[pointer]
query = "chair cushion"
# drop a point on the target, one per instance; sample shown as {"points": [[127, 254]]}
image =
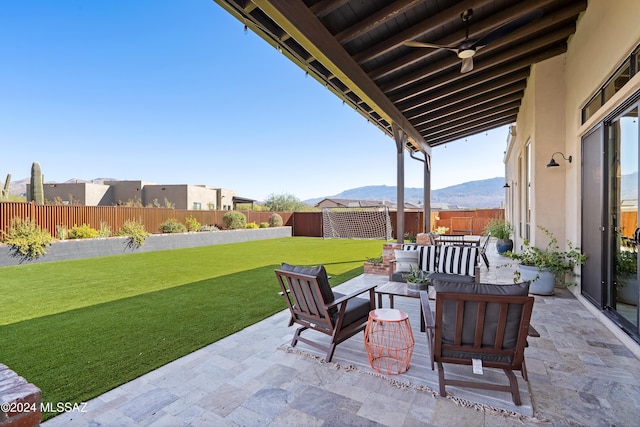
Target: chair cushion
{"points": [[444, 277], [458, 260], [429, 258], [357, 310], [406, 260], [321, 275], [492, 312]]}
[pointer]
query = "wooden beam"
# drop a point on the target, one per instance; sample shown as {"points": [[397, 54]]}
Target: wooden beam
{"points": [[462, 102], [465, 94], [485, 102], [441, 81], [419, 54], [452, 121], [461, 125], [380, 17], [472, 131], [504, 72], [425, 27], [504, 56], [325, 7]]}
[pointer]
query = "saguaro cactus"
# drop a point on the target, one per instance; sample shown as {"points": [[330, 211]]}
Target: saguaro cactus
{"points": [[4, 194], [36, 189]]}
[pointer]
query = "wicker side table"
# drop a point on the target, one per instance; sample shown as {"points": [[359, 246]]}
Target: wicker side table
{"points": [[388, 341]]}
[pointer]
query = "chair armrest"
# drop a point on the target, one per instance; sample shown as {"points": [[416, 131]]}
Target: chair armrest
{"points": [[426, 310], [340, 300], [392, 267]]}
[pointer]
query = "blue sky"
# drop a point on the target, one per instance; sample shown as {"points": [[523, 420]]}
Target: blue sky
{"points": [[175, 92]]}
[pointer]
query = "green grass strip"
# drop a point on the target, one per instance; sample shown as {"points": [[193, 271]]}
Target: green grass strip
{"points": [[77, 329]]}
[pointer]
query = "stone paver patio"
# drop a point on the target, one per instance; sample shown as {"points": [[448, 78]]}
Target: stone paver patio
{"points": [[580, 373]]}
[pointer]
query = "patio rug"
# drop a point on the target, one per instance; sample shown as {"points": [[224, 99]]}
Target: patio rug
{"points": [[352, 357]]}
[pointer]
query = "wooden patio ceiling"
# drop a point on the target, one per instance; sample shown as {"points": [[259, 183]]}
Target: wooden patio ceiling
{"points": [[356, 48]]}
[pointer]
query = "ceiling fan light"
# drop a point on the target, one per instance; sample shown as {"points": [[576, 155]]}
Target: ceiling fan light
{"points": [[466, 53]]}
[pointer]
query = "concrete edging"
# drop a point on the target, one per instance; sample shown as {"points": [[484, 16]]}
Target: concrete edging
{"points": [[89, 248]]}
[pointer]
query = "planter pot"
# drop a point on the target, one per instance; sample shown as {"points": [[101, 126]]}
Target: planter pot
{"points": [[504, 245], [417, 286], [542, 282], [627, 292]]}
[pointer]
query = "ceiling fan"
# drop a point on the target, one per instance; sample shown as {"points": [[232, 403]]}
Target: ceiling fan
{"points": [[468, 48]]}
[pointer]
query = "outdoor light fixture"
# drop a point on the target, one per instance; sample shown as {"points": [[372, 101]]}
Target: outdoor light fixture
{"points": [[506, 185], [552, 163]]}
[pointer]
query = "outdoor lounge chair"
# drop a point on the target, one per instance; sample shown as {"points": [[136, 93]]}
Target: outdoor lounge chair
{"points": [[477, 321], [314, 305]]}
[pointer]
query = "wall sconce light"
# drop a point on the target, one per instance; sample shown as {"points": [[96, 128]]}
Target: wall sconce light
{"points": [[506, 185], [552, 163]]}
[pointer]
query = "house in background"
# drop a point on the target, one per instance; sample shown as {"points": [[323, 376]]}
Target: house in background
{"points": [[109, 193], [358, 203]]}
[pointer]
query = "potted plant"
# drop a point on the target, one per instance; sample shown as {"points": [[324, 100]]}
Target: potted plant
{"points": [[549, 266], [415, 280], [627, 275], [501, 230]]}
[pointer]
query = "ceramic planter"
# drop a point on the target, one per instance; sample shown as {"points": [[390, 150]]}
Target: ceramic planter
{"points": [[542, 281], [504, 245]]}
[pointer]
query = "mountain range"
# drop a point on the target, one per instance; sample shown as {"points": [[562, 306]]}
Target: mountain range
{"points": [[485, 193]]}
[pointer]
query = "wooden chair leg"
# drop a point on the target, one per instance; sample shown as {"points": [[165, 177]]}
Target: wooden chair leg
{"points": [[513, 383], [332, 348], [294, 341], [443, 392]]}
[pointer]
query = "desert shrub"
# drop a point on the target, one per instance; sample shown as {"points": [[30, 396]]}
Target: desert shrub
{"points": [[62, 232], [234, 220], [275, 220], [26, 239], [83, 231], [135, 231], [105, 230], [172, 226], [264, 225], [252, 225], [192, 223], [207, 227]]}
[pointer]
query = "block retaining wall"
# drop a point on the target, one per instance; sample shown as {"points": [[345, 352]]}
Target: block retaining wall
{"points": [[88, 248]]}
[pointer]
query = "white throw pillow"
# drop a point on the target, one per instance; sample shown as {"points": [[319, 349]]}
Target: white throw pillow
{"points": [[406, 259]]}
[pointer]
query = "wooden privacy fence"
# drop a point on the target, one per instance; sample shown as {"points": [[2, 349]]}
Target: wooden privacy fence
{"points": [[49, 217], [308, 224]]}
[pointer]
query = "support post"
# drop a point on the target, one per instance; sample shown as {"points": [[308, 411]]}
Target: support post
{"points": [[426, 192], [401, 139]]}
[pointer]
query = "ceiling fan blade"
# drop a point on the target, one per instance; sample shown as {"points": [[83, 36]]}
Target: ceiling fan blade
{"points": [[467, 65], [420, 44], [509, 27]]}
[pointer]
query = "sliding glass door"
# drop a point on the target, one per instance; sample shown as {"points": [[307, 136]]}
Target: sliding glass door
{"points": [[622, 284]]}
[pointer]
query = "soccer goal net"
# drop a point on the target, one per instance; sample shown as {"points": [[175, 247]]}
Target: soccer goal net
{"points": [[356, 223]]}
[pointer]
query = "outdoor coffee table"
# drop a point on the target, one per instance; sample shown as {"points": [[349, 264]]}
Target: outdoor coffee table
{"points": [[388, 340], [399, 289]]}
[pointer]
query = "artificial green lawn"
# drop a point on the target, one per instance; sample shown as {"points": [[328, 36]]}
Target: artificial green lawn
{"points": [[79, 328]]}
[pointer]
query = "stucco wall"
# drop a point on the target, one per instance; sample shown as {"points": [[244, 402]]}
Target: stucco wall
{"points": [[550, 113], [88, 194], [605, 35]]}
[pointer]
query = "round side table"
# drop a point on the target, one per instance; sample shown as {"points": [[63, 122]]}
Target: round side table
{"points": [[388, 341]]}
